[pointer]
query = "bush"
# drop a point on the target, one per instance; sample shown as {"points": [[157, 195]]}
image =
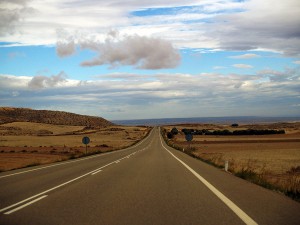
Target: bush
{"points": [[103, 146], [170, 135], [187, 131], [174, 131], [44, 132], [250, 175]]}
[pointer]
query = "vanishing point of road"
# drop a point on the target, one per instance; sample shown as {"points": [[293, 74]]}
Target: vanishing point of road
{"points": [[149, 183]]}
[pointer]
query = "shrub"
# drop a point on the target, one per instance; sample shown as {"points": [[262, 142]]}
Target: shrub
{"points": [[174, 131], [187, 131], [170, 135], [44, 132], [294, 170], [104, 146], [33, 164], [250, 175], [246, 174]]}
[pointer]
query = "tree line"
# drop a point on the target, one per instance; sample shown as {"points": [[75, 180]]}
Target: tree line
{"points": [[235, 132], [186, 131]]}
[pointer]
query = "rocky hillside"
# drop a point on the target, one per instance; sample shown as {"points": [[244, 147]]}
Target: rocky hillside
{"points": [[8, 115]]}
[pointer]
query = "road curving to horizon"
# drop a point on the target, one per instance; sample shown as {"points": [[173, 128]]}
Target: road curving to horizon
{"points": [[149, 183]]}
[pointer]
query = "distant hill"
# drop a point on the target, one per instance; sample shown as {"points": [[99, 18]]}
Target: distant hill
{"points": [[8, 114]]}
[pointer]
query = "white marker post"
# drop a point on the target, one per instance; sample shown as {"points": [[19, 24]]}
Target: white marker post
{"points": [[226, 165]]}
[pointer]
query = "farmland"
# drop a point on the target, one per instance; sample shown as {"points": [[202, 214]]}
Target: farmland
{"points": [[25, 144], [275, 159]]}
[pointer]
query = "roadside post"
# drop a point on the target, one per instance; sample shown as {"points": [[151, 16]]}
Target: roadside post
{"points": [[86, 140], [189, 138], [226, 165]]}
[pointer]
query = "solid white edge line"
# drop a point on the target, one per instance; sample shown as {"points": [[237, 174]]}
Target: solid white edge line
{"points": [[25, 205], [240, 213], [77, 160]]}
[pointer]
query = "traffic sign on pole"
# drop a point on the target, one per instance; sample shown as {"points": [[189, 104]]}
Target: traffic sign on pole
{"points": [[85, 140], [189, 138]]}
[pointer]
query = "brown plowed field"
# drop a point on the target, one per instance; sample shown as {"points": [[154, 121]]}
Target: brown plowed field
{"points": [[25, 144]]}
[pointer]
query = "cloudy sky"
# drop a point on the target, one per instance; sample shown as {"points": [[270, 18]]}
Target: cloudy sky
{"points": [[136, 59]]}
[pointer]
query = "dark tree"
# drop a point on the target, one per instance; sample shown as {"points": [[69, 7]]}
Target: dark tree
{"points": [[174, 131], [170, 135]]}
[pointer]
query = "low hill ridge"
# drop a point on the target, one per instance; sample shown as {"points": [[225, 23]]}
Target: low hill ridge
{"points": [[9, 114]]}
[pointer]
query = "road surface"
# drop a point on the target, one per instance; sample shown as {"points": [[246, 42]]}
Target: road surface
{"points": [[149, 183]]}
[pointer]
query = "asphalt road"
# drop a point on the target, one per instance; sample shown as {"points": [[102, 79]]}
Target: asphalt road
{"points": [[149, 183]]}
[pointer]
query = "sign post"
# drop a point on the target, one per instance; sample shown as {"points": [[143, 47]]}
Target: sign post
{"points": [[189, 138], [85, 140]]}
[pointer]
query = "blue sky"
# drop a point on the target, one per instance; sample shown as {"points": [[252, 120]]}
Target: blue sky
{"points": [[141, 59]]}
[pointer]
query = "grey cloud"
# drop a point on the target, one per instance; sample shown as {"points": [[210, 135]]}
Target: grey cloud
{"points": [[65, 45], [39, 82], [122, 76], [138, 51], [18, 2], [203, 94], [11, 16], [260, 27], [8, 18], [289, 74], [64, 49]]}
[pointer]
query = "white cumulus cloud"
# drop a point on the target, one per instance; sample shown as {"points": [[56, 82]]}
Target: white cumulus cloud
{"points": [[245, 56], [139, 51], [242, 66], [40, 81]]}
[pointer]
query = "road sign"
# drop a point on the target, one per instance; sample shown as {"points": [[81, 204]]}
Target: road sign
{"points": [[85, 140], [189, 137]]}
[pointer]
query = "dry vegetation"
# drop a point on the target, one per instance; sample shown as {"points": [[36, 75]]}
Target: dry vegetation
{"points": [[272, 161], [25, 144]]}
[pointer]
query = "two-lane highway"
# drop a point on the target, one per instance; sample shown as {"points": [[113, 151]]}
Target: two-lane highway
{"points": [[148, 183]]}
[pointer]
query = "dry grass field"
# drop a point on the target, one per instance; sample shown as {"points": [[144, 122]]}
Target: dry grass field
{"points": [[25, 144], [273, 158]]}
